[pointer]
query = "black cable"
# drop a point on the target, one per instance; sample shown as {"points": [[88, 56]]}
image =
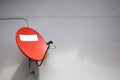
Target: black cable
{"points": [[10, 18]]}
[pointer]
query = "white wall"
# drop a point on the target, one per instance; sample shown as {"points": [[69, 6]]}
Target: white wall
{"points": [[86, 33]]}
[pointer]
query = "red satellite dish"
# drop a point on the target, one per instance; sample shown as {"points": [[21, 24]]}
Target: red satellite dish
{"points": [[31, 43]]}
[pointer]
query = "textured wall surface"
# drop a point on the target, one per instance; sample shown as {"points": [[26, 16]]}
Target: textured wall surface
{"points": [[86, 33]]}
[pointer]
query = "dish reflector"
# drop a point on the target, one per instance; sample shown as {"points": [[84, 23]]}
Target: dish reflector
{"points": [[31, 43]]}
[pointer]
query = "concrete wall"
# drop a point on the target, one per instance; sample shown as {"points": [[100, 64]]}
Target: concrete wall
{"points": [[86, 33]]}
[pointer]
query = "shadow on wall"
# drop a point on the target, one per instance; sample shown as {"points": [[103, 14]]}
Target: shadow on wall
{"points": [[22, 73]]}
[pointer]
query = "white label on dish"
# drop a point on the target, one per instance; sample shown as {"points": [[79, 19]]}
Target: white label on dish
{"points": [[28, 37]]}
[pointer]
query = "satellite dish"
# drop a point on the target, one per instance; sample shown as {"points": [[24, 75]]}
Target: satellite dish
{"points": [[31, 43]]}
